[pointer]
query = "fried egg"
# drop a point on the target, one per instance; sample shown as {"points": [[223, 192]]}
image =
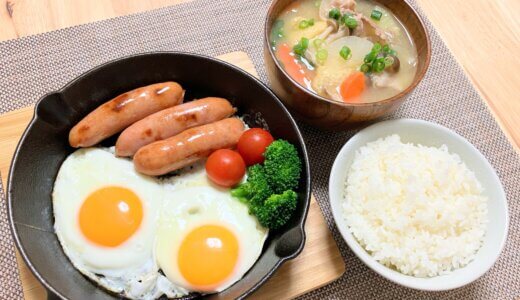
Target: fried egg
{"points": [[143, 237], [206, 239], [105, 218]]}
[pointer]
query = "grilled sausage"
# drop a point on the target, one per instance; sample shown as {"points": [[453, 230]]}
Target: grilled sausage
{"points": [[125, 109], [168, 155], [171, 121]]}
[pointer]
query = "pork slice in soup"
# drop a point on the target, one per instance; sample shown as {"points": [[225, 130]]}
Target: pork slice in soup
{"points": [[345, 50]]}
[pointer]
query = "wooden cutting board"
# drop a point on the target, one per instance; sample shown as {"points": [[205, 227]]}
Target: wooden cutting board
{"points": [[319, 263]]}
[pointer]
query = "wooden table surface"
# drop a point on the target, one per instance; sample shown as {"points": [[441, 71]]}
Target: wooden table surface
{"points": [[483, 35]]}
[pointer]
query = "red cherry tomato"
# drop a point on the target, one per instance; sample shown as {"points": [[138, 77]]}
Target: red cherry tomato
{"points": [[252, 144], [225, 167]]}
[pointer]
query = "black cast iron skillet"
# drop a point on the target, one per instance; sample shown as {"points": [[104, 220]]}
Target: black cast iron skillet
{"points": [[44, 146]]}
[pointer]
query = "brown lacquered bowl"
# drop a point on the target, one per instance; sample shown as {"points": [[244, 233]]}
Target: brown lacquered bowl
{"points": [[330, 114]]}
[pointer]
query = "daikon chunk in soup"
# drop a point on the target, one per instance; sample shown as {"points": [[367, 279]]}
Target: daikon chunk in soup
{"points": [[345, 50]]}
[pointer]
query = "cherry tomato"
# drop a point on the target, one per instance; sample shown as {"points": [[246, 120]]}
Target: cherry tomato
{"points": [[252, 144], [225, 167]]}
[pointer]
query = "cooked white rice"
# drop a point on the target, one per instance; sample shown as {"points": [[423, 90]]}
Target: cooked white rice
{"points": [[416, 209]]}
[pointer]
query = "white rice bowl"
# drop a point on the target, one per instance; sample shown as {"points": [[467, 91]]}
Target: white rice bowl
{"points": [[430, 135], [417, 209]]}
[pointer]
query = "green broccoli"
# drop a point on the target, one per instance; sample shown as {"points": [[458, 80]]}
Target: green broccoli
{"points": [[256, 189], [277, 209], [282, 166], [268, 190]]}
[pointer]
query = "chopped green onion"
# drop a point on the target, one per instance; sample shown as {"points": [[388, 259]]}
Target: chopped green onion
{"points": [[376, 15], [377, 48], [334, 14], [345, 52], [298, 49], [350, 22], [370, 57], [388, 51], [317, 43], [305, 42], [389, 60], [301, 47], [277, 31], [378, 65], [322, 55], [365, 68], [379, 58], [345, 16], [306, 23], [278, 27]]}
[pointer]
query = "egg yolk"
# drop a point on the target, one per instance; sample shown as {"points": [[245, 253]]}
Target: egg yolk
{"points": [[207, 256], [110, 215]]}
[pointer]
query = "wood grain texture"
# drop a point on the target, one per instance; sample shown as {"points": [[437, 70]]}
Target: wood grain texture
{"points": [[483, 35], [319, 264], [28, 17]]}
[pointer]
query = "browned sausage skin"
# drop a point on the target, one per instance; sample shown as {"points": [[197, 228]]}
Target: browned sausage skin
{"points": [[168, 155], [122, 111], [171, 121]]}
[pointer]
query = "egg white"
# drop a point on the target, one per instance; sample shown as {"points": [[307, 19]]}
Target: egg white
{"points": [[129, 268], [193, 201]]}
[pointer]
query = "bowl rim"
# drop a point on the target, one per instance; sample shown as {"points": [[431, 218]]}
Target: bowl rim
{"points": [[409, 89], [366, 258], [307, 191]]}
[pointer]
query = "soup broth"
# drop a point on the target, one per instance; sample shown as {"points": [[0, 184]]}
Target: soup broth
{"points": [[345, 50]]}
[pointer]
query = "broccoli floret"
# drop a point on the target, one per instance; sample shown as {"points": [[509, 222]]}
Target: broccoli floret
{"points": [[268, 190], [282, 166], [256, 189], [277, 209]]}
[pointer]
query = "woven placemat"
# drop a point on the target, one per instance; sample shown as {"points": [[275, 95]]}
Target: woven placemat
{"points": [[33, 66], [10, 287]]}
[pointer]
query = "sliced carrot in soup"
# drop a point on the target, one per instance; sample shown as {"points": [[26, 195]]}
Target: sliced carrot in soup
{"points": [[291, 66], [352, 86]]}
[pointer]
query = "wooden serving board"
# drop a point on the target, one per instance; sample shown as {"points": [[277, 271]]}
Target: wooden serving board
{"points": [[319, 263]]}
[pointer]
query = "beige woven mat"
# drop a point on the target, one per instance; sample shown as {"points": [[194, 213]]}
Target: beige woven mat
{"points": [[33, 66]]}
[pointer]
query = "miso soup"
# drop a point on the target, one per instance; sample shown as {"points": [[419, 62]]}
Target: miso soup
{"points": [[345, 50]]}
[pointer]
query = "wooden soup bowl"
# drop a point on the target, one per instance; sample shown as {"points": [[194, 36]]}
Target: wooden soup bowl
{"points": [[334, 115]]}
